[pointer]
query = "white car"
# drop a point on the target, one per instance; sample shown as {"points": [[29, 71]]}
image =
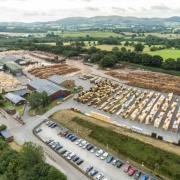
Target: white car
{"points": [[106, 178], [85, 145], [82, 143], [78, 141], [99, 153], [100, 176], [70, 155], [104, 156]]}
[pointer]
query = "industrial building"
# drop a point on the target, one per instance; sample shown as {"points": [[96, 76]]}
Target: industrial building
{"points": [[13, 68], [53, 90]]}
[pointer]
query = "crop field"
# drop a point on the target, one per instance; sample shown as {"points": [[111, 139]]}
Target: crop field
{"points": [[84, 34], [167, 53]]}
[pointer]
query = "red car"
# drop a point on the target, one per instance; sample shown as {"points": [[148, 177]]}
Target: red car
{"points": [[131, 171], [126, 167]]}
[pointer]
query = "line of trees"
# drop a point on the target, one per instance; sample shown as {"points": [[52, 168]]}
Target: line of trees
{"points": [[28, 164]]}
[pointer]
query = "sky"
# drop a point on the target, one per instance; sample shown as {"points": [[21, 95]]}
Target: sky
{"points": [[47, 10]]}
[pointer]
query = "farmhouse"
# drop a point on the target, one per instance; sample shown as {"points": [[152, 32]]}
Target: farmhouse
{"points": [[53, 90], [15, 99]]}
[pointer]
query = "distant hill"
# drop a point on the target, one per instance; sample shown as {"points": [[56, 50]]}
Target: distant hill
{"points": [[97, 21]]}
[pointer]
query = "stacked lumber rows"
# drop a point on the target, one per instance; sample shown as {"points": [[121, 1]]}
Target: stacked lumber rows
{"points": [[150, 80], [56, 69]]}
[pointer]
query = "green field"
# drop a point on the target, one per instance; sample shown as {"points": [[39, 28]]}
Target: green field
{"points": [[84, 34], [167, 53]]}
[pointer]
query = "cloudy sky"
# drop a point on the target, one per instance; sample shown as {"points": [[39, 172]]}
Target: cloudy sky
{"points": [[43, 10]]}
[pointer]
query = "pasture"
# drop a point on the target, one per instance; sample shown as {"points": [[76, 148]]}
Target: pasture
{"points": [[96, 34]]}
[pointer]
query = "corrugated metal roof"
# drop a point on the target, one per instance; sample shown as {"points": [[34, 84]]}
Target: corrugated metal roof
{"points": [[56, 79], [14, 98], [44, 85], [6, 134]]}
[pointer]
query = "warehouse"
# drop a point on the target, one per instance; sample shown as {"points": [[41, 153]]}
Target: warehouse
{"points": [[13, 68], [53, 90]]}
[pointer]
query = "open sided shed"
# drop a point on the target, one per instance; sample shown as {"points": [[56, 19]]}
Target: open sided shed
{"points": [[15, 99]]}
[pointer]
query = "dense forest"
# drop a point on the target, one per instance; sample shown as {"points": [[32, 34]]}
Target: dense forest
{"points": [[28, 164]]}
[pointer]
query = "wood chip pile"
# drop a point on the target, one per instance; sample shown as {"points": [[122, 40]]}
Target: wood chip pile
{"points": [[8, 82]]}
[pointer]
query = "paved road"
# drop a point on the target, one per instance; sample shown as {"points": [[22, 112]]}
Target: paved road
{"points": [[23, 133]]}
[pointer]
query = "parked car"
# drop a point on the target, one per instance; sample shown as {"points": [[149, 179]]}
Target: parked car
{"points": [[99, 152], [131, 171], [58, 147], [76, 158], [93, 150], [106, 178], [70, 155], [144, 177], [79, 162], [48, 122], [74, 138], [89, 147], [109, 159], [38, 130], [99, 176], [89, 169], [78, 141], [82, 143], [114, 162], [104, 156], [63, 151], [119, 163], [67, 154], [93, 172], [85, 145], [53, 125], [49, 141], [126, 167], [67, 135], [137, 174]]}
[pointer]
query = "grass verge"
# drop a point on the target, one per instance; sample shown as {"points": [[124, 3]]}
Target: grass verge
{"points": [[159, 161]]}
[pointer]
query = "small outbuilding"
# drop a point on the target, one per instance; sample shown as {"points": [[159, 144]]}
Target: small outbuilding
{"points": [[7, 135], [15, 99]]}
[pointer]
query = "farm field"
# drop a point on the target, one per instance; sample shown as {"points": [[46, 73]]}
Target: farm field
{"points": [[12, 34], [167, 53], [84, 34]]}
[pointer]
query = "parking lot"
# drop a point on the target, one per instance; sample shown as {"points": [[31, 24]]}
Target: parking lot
{"points": [[92, 160]]}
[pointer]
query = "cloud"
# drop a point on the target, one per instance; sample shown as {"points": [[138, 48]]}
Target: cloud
{"points": [[93, 9], [117, 9], [160, 8]]}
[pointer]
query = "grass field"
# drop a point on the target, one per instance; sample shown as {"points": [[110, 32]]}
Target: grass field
{"points": [[122, 142], [167, 53], [84, 34]]}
